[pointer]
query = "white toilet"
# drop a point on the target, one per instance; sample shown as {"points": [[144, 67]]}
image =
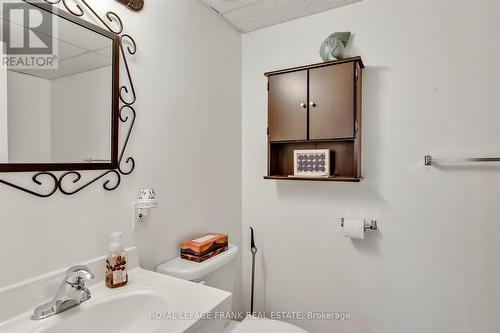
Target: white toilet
{"points": [[218, 272]]}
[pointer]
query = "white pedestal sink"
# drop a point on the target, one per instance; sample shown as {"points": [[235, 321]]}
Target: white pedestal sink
{"points": [[150, 302]]}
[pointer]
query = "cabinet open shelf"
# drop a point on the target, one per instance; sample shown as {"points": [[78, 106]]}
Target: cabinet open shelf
{"points": [[343, 159], [315, 141], [323, 179]]}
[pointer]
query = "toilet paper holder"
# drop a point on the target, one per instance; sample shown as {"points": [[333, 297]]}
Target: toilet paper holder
{"points": [[369, 225]]}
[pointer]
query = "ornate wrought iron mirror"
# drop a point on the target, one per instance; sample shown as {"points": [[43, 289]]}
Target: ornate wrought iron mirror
{"points": [[63, 107]]}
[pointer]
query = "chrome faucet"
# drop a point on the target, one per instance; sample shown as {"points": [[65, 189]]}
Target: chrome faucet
{"points": [[72, 292]]}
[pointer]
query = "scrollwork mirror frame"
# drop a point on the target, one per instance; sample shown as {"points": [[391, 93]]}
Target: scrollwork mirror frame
{"points": [[70, 181]]}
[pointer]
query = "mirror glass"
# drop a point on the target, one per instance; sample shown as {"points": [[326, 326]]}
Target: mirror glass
{"points": [[57, 111]]}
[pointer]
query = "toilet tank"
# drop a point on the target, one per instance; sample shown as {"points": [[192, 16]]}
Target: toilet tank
{"points": [[218, 272]]}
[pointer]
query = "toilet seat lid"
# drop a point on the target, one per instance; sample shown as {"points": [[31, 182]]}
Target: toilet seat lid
{"points": [[257, 325]]}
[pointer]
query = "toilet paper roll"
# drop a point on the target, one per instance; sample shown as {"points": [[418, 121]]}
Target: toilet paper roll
{"points": [[354, 228]]}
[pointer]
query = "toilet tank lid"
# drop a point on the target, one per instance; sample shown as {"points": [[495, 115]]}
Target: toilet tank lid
{"points": [[189, 270]]}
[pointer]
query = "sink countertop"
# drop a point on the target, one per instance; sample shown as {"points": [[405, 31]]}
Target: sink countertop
{"points": [[181, 304]]}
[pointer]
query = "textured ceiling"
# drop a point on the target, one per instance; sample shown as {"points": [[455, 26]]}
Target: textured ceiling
{"points": [[250, 15]]}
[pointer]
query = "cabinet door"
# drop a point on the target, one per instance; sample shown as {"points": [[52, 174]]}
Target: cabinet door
{"points": [[331, 100], [288, 106]]}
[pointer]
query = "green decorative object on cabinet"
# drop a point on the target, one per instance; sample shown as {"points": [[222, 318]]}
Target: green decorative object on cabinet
{"points": [[333, 47]]}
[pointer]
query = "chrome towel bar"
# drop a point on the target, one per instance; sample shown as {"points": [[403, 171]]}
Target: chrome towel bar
{"points": [[429, 160]]}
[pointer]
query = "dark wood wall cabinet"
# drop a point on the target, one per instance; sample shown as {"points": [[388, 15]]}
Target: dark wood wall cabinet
{"points": [[316, 107]]}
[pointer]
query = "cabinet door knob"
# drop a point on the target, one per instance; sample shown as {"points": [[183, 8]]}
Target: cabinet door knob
{"points": [[313, 104], [303, 105]]}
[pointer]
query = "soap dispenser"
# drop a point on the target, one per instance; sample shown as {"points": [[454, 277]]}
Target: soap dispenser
{"points": [[116, 263]]}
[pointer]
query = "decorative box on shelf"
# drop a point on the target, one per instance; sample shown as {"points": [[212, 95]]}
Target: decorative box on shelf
{"points": [[311, 163]]}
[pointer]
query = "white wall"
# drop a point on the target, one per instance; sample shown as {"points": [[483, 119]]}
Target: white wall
{"points": [[4, 114], [28, 105], [81, 129], [431, 85], [187, 143]]}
